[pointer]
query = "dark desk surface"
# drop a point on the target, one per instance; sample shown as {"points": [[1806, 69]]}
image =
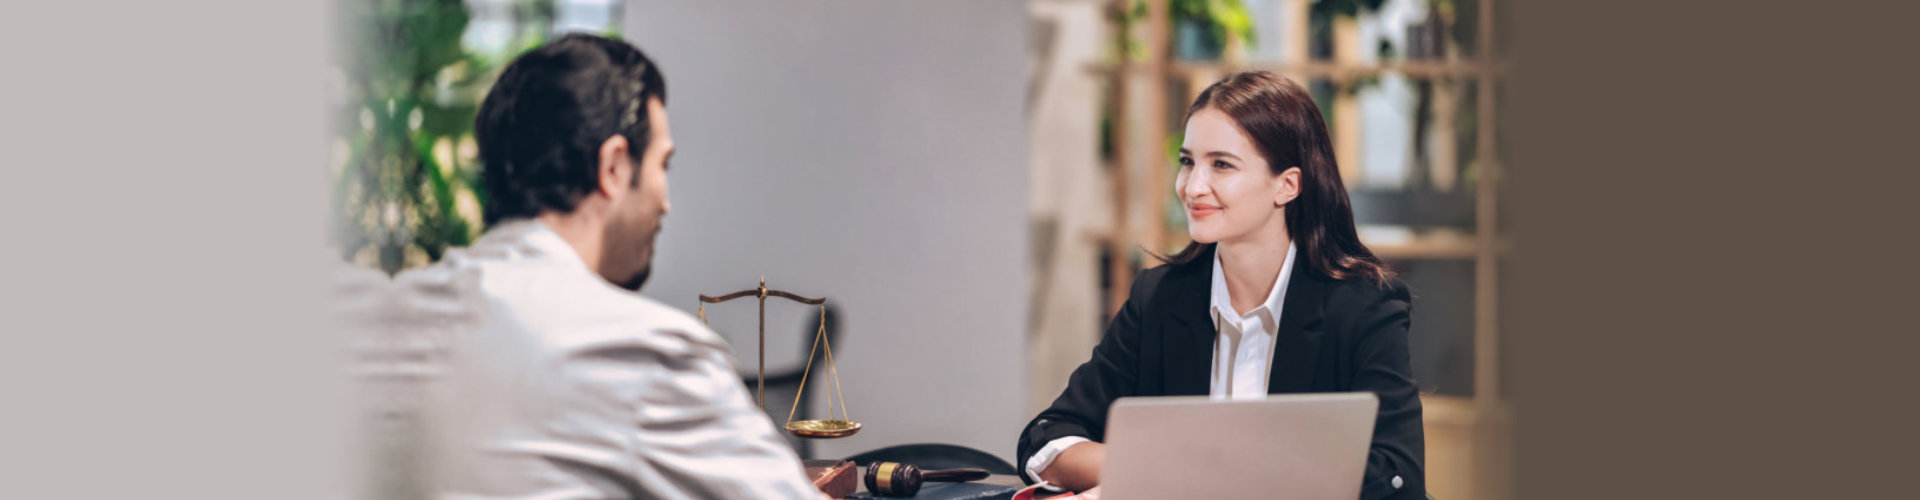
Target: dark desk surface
{"points": [[999, 479]]}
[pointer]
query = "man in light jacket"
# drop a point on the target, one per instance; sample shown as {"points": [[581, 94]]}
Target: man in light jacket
{"points": [[560, 381]]}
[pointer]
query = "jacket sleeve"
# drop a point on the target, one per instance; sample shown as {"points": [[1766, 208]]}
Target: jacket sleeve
{"points": [[699, 433], [1395, 461], [1081, 409]]}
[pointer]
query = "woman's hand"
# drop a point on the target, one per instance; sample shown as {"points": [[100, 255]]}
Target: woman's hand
{"points": [[1077, 468]]}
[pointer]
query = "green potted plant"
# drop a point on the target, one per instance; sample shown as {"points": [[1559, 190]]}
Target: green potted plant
{"points": [[1202, 29], [405, 90]]}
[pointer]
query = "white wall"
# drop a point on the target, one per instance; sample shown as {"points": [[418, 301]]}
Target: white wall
{"points": [[873, 152]]}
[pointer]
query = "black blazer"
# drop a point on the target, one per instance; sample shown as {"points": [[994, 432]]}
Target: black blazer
{"points": [[1334, 336]]}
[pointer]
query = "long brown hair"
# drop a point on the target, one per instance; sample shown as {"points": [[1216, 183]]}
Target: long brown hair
{"points": [[1285, 125]]}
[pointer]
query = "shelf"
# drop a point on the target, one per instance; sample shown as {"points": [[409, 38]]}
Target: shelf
{"points": [[1452, 410], [1427, 250], [1428, 245], [1400, 243], [1336, 71]]}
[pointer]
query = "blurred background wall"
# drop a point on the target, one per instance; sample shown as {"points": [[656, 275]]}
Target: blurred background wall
{"points": [[872, 152]]}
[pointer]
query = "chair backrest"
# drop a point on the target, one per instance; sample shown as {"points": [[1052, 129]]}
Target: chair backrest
{"points": [[929, 456]]}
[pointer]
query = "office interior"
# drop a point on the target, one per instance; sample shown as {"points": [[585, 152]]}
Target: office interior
{"points": [[970, 185]]}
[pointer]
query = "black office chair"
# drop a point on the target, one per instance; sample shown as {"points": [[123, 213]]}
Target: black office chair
{"points": [[930, 456]]}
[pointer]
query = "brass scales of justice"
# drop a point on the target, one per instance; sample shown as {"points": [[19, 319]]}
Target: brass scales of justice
{"points": [[823, 428]]}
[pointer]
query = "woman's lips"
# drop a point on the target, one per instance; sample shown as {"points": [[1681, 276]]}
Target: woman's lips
{"points": [[1198, 210]]}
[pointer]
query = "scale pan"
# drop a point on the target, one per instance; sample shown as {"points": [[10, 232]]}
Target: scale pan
{"points": [[826, 429]]}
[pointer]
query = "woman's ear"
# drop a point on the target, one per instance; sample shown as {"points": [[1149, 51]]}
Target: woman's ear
{"points": [[1289, 187]]}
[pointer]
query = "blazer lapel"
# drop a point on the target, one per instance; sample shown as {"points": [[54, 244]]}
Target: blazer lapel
{"points": [[1296, 347], [1190, 335]]}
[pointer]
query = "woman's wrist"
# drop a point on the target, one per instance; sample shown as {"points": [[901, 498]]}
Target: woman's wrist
{"points": [[1077, 468]]}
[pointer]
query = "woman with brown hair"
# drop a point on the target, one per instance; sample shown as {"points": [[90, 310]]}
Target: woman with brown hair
{"points": [[1275, 295]]}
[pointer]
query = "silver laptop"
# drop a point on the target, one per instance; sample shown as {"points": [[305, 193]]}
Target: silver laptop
{"points": [[1306, 446]]}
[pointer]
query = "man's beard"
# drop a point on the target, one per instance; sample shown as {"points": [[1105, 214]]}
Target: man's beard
{"points": [[618, 233], [638, 280]]}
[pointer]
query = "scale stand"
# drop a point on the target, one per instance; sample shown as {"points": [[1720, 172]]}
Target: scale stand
{"points": [[827, 428]]}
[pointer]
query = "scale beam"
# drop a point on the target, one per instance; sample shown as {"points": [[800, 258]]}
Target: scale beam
{"points": [[829, 428]]}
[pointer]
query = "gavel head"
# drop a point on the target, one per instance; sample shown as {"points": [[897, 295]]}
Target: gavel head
{"points": [[893, 479]]}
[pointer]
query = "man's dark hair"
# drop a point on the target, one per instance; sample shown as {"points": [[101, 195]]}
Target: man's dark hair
{"points": [[541, 127]]}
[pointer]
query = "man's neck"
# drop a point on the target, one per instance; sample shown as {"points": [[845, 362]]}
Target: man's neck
{"points": [[580, 232], [1251, 269]]}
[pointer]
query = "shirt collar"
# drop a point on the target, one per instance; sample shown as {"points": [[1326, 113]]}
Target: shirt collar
{"points": [[1222, 303], [532, 238]]}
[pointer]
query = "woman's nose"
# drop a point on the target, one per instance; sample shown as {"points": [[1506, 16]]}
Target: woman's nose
{"points": [[1192, 183]]}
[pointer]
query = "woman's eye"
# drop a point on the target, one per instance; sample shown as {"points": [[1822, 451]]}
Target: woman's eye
{"points": [[1222, 165], [1186, 162]]}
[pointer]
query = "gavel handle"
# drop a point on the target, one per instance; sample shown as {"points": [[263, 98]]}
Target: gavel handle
{"points": [[954, 475]]}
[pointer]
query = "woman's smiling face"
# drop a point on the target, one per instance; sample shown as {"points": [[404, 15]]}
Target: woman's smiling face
{"points": [[1229, 190]]}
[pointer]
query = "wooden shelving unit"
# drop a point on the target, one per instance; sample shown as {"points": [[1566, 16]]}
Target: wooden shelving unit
{"points": [[1337, 72], [1435, 247], [1468, 437]]}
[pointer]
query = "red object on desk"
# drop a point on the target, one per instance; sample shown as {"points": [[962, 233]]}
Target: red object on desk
{"points": [[1036, 493], [833, 477]]}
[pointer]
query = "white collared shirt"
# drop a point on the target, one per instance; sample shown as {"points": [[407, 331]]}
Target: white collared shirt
{"points": [[557, 384], [1243, 347], [1242, 354]]}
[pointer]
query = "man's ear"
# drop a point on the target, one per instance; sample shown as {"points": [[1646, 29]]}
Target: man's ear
{"points": [[616, 169], [1289, 187]]}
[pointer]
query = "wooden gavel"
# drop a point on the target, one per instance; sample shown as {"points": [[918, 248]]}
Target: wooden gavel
{"points": [[896, 479]]}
